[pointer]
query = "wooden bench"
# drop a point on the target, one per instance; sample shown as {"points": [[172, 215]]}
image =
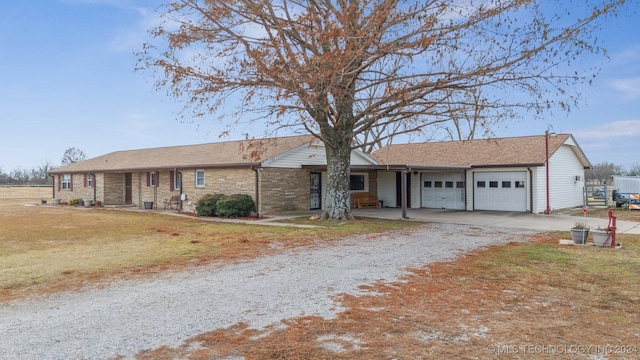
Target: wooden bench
{"points": [[175, 200], [365, 200]]}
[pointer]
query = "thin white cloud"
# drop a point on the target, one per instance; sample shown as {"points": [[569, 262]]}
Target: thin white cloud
{"points": [[630, 54], [630, 88], [621, 128]]}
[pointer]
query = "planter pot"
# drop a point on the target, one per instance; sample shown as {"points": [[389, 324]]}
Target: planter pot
{"points": [[579, 236], [56, 201], [601, 238], [44, 202], [87, 203], [148, 205], [98, 203]]}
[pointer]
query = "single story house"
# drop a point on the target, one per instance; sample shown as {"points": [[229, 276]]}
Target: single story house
{"points": [[288, 173], [270, 170]]}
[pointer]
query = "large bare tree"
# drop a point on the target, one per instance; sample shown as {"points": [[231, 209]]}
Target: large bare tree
{"points": [[338, 68]]}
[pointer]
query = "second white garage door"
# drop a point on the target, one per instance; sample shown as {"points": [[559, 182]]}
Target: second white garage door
{"points": [[500, 190]]}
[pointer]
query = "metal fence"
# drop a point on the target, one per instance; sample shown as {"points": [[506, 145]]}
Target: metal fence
{"points": [[26, 191]]}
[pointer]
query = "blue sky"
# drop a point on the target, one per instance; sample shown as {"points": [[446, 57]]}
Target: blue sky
{"points": [[67, 80]]}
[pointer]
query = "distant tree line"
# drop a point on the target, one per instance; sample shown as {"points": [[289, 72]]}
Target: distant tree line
{"points": [[602, 172], [39, 175]]}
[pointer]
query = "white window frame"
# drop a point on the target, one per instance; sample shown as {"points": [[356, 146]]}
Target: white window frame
{"points": [[152, 179], [197, 178], [89, 180], [177, 183], [65, 182]]}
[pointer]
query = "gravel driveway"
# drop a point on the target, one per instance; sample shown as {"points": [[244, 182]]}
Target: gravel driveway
{"points": [[129, 316]]}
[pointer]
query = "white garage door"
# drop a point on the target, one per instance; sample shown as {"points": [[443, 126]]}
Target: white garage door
{"points": [[500, 190], [443, 191]]}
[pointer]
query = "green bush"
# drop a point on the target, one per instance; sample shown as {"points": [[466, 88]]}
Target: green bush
{"points": [[206, 206], [235, 205], [74, 201]]}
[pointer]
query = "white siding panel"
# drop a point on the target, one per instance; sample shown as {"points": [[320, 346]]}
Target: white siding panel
{"points": [[415, 190], [387, 188], [566, 179], [310, 155], [539, 190]]}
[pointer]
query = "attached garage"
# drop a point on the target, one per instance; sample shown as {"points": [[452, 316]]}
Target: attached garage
{"points": [[520, 174], [500, 190], [443, 190]]}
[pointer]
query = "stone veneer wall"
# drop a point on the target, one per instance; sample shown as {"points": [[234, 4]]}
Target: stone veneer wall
{"points": [[113, 185], [79, 190], [284, 190], [280, 189], [373, 183]]}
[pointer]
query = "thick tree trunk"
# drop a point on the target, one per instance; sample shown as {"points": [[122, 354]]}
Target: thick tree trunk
{"points": [[337, 201]]}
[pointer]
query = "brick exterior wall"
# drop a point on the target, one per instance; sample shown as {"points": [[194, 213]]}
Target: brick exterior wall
{"points": [[79, 189], [280, 189], [284, 190]]}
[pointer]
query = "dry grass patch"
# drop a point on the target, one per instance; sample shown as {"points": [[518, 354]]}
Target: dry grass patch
{"points": [[603, 213], [525, 300], [47, 248]]}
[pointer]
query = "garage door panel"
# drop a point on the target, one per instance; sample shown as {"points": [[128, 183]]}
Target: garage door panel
{"points": [[500, 190], [443, 191]]}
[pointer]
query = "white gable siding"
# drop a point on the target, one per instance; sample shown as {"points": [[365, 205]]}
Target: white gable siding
{"points": [[566, 179], [415, 191], [311, 155], [387, 188]]}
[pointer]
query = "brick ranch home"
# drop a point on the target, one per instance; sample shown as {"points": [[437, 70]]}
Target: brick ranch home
{"points": [[287, 174]]}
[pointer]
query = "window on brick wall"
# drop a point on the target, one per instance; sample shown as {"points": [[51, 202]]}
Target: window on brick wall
{"points": [[152, 179], [65, 182], [175, 179], [199, 178], [88, 180]]}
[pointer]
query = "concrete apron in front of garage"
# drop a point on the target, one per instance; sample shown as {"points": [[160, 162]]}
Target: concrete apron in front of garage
{"points": [[515, 220]]}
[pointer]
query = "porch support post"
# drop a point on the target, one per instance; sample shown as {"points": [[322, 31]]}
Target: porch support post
{"points": [[403, 191]]}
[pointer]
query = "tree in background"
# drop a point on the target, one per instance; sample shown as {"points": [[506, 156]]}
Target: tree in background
{"points": [[72, 155], [602, 172], [339, 68], [634, 169]]}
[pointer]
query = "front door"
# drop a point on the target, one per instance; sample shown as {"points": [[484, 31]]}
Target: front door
{"points": [[128, 194], [316, 191]]}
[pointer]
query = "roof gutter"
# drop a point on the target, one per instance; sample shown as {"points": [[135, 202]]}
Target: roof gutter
{"points": [[53, 185], [156, 168]]}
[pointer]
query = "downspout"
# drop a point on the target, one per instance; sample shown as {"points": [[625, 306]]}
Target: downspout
{"points": [[530, 190], [53, 186], [180, 176], [466, 171], [93, 183], [546, 163], [403, 191], [256, 190]]}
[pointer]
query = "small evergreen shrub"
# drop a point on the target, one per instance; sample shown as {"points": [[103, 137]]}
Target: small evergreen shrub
{"points": [[74, 201], [206, 206], [235, 205]]}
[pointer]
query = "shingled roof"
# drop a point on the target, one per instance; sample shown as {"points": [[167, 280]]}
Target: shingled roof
{"points": [[513, 151], [243, 153]]}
